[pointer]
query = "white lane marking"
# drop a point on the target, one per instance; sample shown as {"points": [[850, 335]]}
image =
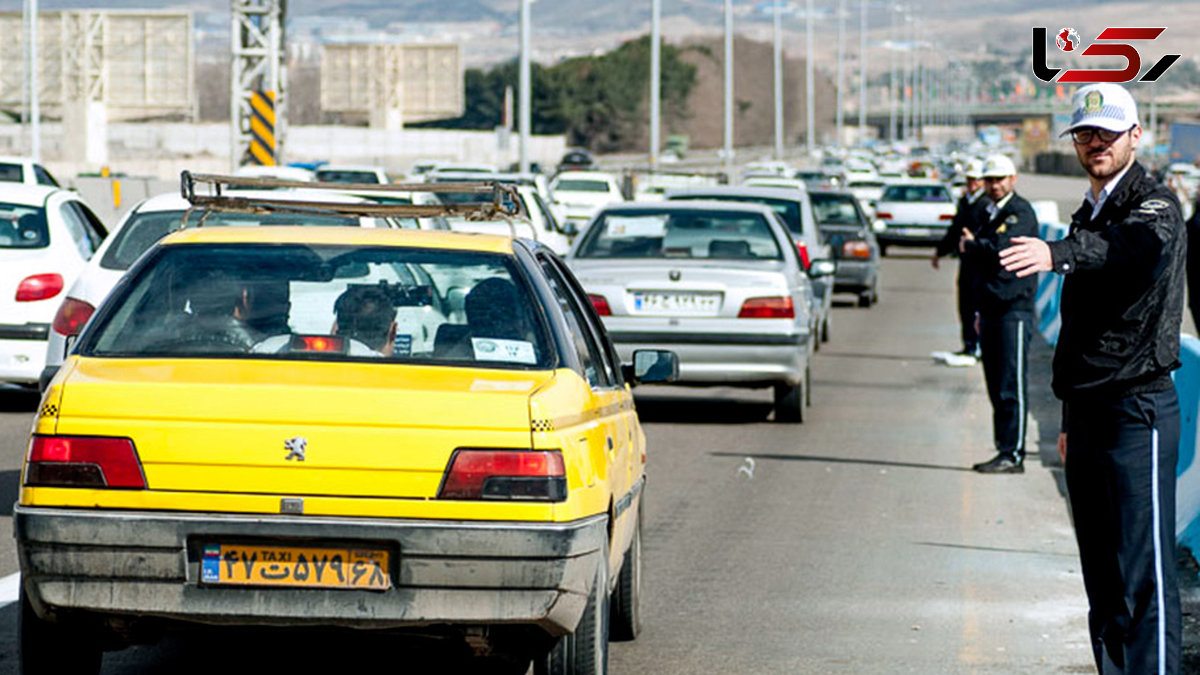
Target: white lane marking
{"points": [[10, 589]]}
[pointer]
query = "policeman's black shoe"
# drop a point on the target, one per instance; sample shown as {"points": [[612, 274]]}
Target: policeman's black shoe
{"points": [[1001, 463]]}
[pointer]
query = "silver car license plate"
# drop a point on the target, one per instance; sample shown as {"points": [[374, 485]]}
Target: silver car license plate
{"points": [[677, 304]]}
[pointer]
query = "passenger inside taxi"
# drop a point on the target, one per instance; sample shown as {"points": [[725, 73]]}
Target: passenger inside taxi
{"points": [[366, 314]]}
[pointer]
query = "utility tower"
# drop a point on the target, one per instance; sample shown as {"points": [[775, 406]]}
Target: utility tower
{"points": [[258, 105]]}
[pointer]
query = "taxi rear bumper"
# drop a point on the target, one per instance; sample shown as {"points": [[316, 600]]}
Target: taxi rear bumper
{"points": [[134, 564]]}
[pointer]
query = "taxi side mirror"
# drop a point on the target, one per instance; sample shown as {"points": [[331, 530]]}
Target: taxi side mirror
{"points": [[822, 268], [652, 366]]}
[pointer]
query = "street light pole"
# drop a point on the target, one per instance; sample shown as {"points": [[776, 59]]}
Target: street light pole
{"points": [[655, 80], [808, 79], [893, 98], [778, 55], [524, 84], [728, 83], [841, 55], [862, 71], [31, 74]]}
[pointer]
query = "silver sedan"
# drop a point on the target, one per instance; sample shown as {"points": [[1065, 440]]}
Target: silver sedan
{"points": [[718, 283]]}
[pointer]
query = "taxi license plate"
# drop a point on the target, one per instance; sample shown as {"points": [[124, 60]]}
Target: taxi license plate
{"points": [[308, 567], [702, 304]]}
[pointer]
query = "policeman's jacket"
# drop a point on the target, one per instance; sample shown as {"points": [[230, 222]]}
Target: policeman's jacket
{"points": [[967, 214], [998, 291], [1122, 296]]}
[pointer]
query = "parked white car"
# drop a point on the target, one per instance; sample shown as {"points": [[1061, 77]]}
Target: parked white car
{"points": [[24, 170], [146, 223], [47, 236], [582, 193]]}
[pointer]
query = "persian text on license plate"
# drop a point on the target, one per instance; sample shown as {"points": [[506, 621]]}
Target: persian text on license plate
{"points": [[702, 304], [259, 565]]}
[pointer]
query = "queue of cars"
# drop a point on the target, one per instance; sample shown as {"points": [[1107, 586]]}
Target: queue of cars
{"points": [[252, 407]]}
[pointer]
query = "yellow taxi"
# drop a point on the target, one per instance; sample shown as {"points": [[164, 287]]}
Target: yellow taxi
{"points": [[392, 429]]}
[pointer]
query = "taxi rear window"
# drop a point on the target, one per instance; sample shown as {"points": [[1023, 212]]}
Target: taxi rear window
{"points": [[23, 226], [327, 303], [144, 229]]}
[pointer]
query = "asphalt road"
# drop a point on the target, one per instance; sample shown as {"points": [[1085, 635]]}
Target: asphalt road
{"points": [[860, 543]]}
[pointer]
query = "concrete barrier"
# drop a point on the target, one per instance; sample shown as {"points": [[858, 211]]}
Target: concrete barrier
{"points": [[1187, 471], [1049, 289]]}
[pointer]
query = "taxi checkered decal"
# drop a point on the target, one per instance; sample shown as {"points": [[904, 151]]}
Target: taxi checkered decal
{"points": [[543, 425], [49, 410]]}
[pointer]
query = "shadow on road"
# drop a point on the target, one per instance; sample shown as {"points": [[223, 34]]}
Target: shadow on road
{"points": [[16, 399], [843, 460], [687, 410]]}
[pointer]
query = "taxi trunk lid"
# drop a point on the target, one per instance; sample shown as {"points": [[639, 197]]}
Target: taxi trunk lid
{"points": [[303, 429]]}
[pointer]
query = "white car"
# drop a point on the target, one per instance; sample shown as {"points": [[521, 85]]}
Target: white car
{"points": [[293, 173], [332, 173], [867, 191], [141, 228], [914, 213], [24, 170], [581, 194], [47, 236], [541, 225], [776, 182]]}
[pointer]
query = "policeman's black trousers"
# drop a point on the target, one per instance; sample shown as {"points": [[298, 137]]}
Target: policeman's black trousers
{"points": [[966, 309], [1121, 456], [1004, 346]]}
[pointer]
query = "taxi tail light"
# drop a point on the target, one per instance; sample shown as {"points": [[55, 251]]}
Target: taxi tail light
{"points": [[39, 287], [71, 316], [601, 304], [802, 251], [83, 461], [856, 249], [768, 308], [318, 343], [509, 475], [946, 216], [883, 215]]}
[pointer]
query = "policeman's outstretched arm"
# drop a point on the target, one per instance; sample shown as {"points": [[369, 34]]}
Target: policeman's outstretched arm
{"points": [[1027, 255]]}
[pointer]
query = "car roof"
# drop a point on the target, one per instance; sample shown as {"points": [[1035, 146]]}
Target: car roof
{"points": [[354, 236], [16, 159], [597, 175], [26, 194], [787, 194], [689, 205], [350, 167]]}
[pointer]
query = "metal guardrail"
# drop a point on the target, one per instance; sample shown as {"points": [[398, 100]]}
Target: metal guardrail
{"points": [[222, 195]]}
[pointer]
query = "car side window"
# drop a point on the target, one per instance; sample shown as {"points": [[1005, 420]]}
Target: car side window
{"points": [[588, 351], [547, 216], [43, 176], [74, 223], [608, 354], [95, 229]]}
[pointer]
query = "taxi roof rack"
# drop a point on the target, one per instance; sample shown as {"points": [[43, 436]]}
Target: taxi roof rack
{"points": [[505, 203]]}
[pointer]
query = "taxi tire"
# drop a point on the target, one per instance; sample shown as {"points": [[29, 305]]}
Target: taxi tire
{"points": [[790, 402], [42, 644], [584, 652], [625, 613]]}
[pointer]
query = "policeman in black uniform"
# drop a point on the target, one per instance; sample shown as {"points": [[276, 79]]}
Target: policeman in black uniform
{"points": [[970, 213], [1005, 306], [1122, 304]]}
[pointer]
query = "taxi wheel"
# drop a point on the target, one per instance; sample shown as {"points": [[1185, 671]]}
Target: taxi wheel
{"points": [[584, 652], [625, 614], [42, 643], [789, 402]]}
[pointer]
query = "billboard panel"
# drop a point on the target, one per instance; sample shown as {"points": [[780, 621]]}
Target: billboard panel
{"points": [[423, 81]]}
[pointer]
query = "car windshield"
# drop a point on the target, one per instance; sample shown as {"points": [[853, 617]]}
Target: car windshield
{"points": [[580, 185], [697, 234], [340, 176], [916, 193], [23, 226], [834, 209], [788, 209], [144, 229], [11, 173], [326, 303]]}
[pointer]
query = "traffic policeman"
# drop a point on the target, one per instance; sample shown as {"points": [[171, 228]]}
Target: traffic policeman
{"points": [[1122, 304], [970, 213], [1004, 303]]}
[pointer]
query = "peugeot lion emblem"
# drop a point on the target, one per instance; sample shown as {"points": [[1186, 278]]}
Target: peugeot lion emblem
{"points": [[675, 275], [295, 448]]}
